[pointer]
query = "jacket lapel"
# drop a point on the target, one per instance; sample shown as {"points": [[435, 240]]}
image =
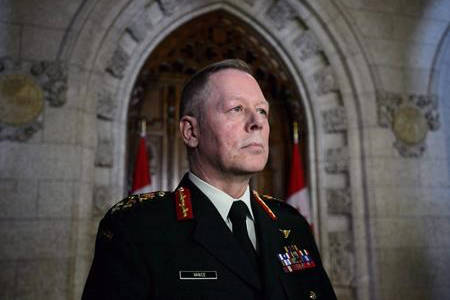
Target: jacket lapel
{"points": [[270, 244], [214, 235]]}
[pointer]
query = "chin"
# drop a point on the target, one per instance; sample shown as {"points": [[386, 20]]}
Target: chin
{"points": [[250, 169]]}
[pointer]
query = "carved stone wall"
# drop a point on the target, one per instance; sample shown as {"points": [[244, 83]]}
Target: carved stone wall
{"points": [[372, 78], [410, 118], [24, 86], [303, 41]]}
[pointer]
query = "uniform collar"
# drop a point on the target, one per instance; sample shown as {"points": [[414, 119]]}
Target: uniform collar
{"points": [[221, 200]]}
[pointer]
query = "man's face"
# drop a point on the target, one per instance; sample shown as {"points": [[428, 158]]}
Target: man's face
{"points": [[234, 129]]}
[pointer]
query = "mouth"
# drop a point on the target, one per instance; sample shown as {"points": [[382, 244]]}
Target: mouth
{"points": [[254, 146]]}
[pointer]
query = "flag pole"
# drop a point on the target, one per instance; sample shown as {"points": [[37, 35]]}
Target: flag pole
{"points": [[297, 195], [296, 132], [143, 127]]}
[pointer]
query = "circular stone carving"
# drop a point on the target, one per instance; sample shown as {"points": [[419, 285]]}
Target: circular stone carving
{"points": [[21, 99], [409, 125]]}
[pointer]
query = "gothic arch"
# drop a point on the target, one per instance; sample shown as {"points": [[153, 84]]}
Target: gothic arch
{"points": [[326, 63]]}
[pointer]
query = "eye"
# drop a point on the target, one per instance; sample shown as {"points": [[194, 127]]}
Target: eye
{"points": [[238, 108], [263, 111]]}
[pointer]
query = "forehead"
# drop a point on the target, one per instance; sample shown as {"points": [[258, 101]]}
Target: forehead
{"points": [[233, 83]]}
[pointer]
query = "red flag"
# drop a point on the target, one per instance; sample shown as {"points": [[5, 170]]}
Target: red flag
{"points": [[141, 177], [298, 191]]}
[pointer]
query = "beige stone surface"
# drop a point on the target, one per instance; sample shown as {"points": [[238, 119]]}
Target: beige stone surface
{"points": [[427, 31], [8, 279], [412, 201], [18, 198], [60, 125], [41, 43], [10, 36], [42, 279], [412, 231], [55, 199], [374, 24], [400, 214], [40, 13], [40, 161], [34, 239]]}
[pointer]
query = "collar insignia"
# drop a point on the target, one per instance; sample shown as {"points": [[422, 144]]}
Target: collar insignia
{"points": [[183, 204], [264, 205]]}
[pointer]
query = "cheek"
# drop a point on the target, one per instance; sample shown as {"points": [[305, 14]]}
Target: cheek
{"points": [[266, 133]]}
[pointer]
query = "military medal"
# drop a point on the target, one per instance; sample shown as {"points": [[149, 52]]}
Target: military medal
{"points": [[183, 204], [295, 259]]}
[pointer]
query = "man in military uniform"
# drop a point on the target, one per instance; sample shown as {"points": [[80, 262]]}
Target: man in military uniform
{"points": [[212, 238]]}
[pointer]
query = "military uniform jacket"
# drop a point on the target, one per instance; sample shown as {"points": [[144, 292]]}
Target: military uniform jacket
{"points": [[176, 246]]}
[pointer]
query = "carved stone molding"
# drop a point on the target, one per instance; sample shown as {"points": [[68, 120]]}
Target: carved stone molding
{"points": [[410, 119], [102, 198], [337, 160], [25, 85], [106, 105], [334, 120], [118, 63], [406, 150], [428, 105], [20, 133], [169, 6], [325, 81], [280, 13], [386, 104], [339, 201], [306, 45], [140, 27], [342, 258], [104, 154], [53, 77]]}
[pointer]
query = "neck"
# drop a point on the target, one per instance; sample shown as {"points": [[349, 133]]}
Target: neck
{"points": [[233, 185]]}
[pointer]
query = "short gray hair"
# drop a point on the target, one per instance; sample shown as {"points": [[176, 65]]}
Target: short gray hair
{"points": [[195, 90]]}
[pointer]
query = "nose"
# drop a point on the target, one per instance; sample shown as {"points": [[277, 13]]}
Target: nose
{"points": [[255, 121]]}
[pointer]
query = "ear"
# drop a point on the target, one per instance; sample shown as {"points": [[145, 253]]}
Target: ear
{"points": [[189, 131]]}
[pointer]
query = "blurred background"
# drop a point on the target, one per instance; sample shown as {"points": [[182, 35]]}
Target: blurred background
{"points": [[367, 82]]}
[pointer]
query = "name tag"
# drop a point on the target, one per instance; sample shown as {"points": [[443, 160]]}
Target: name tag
{"points": [[198, 275]]}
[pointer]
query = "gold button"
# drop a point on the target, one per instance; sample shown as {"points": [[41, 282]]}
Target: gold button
{"points": [[312, 295]]}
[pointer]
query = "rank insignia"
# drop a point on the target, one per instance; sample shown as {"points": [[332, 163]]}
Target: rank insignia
{"points": [[295, 259], [183, 204], [264, 205], [132, 200]]}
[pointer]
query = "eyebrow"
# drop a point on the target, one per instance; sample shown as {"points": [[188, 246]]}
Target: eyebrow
{"points": [[260, 102], [264, 102]]}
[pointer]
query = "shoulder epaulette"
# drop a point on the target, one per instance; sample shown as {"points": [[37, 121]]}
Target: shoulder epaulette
{"points": [[132, 200]]}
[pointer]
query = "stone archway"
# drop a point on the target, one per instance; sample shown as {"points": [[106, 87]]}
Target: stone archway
{"points": [[326, 63], [206, 39]]}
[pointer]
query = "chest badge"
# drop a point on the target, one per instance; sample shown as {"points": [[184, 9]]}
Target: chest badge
{"points": [[285, 232], [294, 259]]}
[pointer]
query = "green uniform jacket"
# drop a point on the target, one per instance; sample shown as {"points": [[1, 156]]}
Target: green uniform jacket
{"points": [[147, 249]]}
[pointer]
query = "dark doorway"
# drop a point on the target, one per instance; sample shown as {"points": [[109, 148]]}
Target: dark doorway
{"points": [[156, 95]]}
